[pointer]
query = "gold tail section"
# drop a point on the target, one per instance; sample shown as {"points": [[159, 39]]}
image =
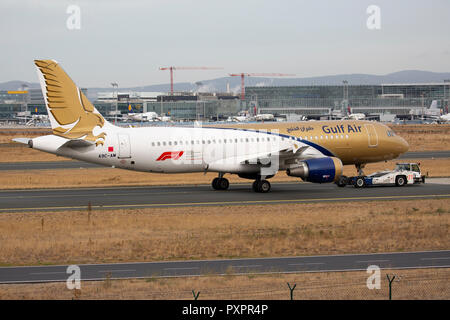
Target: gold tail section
{"points": [[73, 114]]}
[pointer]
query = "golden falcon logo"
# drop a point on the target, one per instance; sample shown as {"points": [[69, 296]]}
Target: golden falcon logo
{"points": [[69, 106]]}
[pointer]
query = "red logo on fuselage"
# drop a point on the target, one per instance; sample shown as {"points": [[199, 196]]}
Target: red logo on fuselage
{"points": [[174, 155]]}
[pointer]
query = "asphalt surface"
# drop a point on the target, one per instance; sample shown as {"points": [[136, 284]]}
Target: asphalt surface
{"points": [[49, 165], [332, 263], [204, 195]]}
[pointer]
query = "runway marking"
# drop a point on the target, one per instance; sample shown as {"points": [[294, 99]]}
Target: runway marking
{"points": [[182, 268], [435, 258], [249, 202], [249, 266], [89, 195], [106, 271], [41, 273], [304, 264], [365, 261]]}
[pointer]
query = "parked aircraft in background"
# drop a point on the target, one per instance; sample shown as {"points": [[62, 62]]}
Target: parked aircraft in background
{"points": [[445, 117], [145, 117], [314, 151], [265, 117]]}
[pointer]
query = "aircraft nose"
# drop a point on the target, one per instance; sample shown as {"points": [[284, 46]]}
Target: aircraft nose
{"points": [[402, 145]]}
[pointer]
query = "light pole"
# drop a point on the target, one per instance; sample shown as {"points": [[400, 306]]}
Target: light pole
{"points": [[345, 95], [115, 85]]}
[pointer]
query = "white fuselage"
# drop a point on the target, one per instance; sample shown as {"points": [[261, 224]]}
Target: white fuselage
{"points": [[172, 149]]}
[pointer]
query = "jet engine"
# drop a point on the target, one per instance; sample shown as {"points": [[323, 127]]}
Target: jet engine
{"points": [[319, 170]]}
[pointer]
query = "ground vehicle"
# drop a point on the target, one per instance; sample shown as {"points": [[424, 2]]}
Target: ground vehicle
{"points": [[404, 173]]}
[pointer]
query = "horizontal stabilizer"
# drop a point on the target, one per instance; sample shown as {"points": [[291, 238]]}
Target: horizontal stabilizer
{"points": [[77, 143]]}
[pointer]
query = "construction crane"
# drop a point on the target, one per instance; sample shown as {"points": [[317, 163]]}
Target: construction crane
{"points": [[184, 68], [242, 75]]}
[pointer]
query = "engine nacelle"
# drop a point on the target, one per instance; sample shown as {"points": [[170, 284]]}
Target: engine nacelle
{"points": [[320, 170]]}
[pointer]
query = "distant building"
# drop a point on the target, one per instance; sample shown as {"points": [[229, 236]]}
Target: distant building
{"points": [[370, 99]]}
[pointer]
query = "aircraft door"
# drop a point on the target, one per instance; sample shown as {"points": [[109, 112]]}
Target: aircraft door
{"points": [[372, 135], [124, 146]]}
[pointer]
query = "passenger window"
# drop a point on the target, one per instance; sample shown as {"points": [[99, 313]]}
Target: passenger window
{"points": [[159, 143]]}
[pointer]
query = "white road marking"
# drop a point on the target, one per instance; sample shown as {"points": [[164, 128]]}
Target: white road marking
{"points": [[249, 266], [305, 264], [181, 268], [41, 273], [128, 270]]}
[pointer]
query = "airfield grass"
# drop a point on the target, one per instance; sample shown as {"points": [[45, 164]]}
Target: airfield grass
{"points": [[189, 233], [430, 137], [420, 284], [420, 138], [103, 177]]}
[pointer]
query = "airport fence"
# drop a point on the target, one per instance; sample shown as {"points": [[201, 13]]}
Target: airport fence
{"points": [[414, 284]]}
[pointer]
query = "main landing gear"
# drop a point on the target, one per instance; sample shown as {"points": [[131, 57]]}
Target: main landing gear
{"points": [[220, 183], [260, 185]]}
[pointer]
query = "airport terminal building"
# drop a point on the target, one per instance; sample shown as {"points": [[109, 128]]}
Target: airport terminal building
{"points": [[313, 101], [320, 100]]}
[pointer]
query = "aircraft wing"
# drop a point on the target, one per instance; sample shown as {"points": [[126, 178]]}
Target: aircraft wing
{"points": [[283, 155]]}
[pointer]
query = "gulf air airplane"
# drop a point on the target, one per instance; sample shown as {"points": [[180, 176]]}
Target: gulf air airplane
{"points": [[314, 151]]}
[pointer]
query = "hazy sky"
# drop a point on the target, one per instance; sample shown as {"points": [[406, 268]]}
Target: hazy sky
{"points": [[127, 41]]}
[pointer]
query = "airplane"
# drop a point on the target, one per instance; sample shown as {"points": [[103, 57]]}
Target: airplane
{"points": [[445, 117], [144, 116], [356, 116], [313, 151], [264, 117], [432, 113]]}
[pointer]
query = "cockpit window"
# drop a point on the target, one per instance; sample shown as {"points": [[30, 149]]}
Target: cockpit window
{"points": [[390, 133]]}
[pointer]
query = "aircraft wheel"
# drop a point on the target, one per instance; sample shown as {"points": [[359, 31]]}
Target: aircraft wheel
{"points": [[215, 184], [223, 184], [359, 183], [220, 184], [255, 186], [262, 186], [342, 181]]}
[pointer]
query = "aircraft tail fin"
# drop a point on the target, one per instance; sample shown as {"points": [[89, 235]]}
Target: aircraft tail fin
{"points": [[434, 105], [71, 114]]}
